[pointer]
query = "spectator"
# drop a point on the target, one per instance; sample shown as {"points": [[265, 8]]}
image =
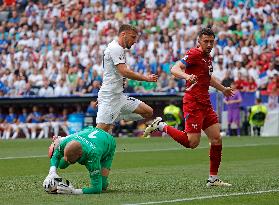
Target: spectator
{"points": [[271, 71], [252, 85], [62, 122], [273, 86], [241, 82], [46, 90], [50, 120], [26, 92], [36, 122], [239, 69], [94, 88], [2, 124], [35, 78], [80, 89], [172, 88], [22, 123], [219, 72], [163, 81], [228, 80], [92, 108], [123, 128], [10, 121], [69, 36], [129, 87], [61, 89]]}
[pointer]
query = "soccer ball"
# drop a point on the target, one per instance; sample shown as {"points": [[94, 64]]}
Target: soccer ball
{"points": [[223, 134], [53, 188]]}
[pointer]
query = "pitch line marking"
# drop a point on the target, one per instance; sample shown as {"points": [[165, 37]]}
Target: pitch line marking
{"points": [[206, 197], [149, 150]]}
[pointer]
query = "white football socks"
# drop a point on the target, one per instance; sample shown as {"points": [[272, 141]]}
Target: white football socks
{"points": [[161, 126]]}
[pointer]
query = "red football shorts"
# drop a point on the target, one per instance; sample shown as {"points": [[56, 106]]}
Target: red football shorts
{"points": [[198, 117]]}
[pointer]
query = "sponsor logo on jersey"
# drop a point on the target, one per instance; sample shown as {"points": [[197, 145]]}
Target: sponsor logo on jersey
{"points": [[195, 126], [210, 68], [122, 56]]}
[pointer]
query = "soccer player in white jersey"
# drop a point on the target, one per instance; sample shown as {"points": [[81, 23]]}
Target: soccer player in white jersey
{"points": [[113, 105]]}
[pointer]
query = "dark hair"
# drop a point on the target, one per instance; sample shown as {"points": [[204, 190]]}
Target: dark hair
{"points": [[127, 27], [259, 100], [206, 31]]}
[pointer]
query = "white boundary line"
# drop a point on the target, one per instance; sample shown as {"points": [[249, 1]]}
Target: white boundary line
{"points": [[206, 197], [150, 150]]}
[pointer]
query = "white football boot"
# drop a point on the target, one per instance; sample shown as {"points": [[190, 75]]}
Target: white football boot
{"points": [[217, 182], [153, 127]]}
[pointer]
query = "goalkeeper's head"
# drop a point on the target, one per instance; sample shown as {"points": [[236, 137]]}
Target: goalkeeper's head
{"points": [[72, 152]]}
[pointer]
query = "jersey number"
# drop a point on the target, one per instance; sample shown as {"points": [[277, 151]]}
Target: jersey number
{"points": [[210, 68], [92, 134]]}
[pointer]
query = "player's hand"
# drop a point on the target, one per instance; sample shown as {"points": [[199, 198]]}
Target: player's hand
{"points": [[192, 78], [228, 92], [152, 78], [66, 188], [49, 181]]}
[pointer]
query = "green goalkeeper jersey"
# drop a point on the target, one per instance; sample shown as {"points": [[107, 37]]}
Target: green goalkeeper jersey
{"points": [[98, 149]]}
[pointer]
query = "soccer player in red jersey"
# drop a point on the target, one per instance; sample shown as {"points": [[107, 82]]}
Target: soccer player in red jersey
{"points": [[196, 68]]}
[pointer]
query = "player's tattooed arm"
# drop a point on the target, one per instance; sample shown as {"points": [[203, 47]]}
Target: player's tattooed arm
{"points": [[227, 91], [178, 71]]}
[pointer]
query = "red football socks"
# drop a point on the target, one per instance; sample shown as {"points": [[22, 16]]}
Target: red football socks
{"points": [[215, 155], [177, 135]]}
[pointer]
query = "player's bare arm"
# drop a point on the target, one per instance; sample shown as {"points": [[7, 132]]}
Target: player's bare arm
{"points": [[178, 71], [126, 72], [227, 91]]}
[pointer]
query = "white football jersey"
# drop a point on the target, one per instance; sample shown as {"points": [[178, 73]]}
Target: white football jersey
{"points": [[112, 80]]}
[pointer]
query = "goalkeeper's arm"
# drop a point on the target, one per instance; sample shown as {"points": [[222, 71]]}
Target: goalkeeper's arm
{"points": [[56, 161], [49, 180]]}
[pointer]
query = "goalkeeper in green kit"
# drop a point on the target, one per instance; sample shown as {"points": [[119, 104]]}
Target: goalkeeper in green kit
{"points": [[91, 147]]}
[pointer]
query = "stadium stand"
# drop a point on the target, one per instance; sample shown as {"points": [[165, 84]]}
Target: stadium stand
{"points": [[55, 48]]}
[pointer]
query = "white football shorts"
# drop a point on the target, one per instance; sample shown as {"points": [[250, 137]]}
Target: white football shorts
{"points": [[110, 107]]}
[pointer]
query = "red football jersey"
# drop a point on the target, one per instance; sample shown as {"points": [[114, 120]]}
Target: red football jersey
{"points": [[199, 64]]}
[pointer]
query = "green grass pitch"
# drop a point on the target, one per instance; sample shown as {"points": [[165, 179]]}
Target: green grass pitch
{"points": [[149, 171]]}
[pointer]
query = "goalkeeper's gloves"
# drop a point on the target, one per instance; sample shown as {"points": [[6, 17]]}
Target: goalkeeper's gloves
{"points": [[49, 181], [67, 188]]}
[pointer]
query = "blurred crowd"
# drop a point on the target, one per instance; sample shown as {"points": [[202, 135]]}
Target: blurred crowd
{"points": [[37, 122], [32, 123], [55, 48]]}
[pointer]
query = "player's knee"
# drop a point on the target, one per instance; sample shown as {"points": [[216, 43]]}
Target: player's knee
{"points": [[105, 172], [216, 140], [148, 112], [193, 144]]}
